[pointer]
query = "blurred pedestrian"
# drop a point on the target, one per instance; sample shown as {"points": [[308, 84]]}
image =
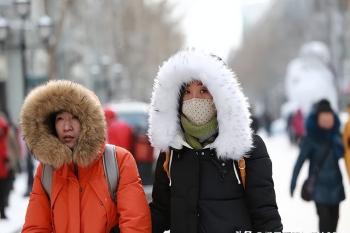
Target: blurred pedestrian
{"points": [[266, 119], [119, 132], [255, 123], [13, 155], [14, 149], [64, 127], [199, 119], [298, 126], [323, 148], [346, 142], [289, 127], [4, 165], [143, 152]]}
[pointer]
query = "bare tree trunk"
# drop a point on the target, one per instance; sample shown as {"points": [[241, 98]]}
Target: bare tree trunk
{"points": [[52, 47], [336, 40]]}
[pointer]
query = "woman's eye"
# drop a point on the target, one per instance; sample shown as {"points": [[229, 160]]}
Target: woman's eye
{"points": [[58, 118]]}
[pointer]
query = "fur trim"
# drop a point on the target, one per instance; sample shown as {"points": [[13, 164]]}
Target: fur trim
{"points": [[64, 95], [235, 135]]}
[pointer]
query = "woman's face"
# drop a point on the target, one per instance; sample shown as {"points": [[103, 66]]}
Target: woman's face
{"points": [[68, 128], [326, 120], [196, 90]]}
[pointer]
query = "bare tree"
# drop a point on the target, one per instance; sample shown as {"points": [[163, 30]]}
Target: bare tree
{"points": [[131, 34], [57, 33]]}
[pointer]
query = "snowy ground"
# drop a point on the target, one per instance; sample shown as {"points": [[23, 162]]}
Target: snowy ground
{"points": [[297, 215], [17, 207]]}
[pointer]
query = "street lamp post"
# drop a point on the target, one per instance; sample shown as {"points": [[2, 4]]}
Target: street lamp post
{"points": [[117, 80], [3, 37], [14, 43], [45, 29], [105, 64], [4, 27], [23, 10]]}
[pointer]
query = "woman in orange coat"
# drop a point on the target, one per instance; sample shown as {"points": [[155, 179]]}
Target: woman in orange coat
{"points": [[64, 127], [346, 142]]}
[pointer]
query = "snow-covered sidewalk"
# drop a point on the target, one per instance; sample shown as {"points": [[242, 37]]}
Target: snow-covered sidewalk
{"points": [[17, 207]]}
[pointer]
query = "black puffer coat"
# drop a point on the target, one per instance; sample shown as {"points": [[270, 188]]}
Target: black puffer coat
{"points": [[205, 195]]}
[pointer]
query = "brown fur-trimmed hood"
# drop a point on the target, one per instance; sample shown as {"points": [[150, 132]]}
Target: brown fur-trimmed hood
{"points": [[56, 96]]}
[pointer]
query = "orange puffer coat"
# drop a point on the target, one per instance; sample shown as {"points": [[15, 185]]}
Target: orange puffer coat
{"points": [[82, 203], [346, 143]]}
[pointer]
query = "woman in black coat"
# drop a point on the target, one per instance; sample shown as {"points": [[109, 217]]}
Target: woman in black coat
{"points": [[322, 146], [200, 121]]}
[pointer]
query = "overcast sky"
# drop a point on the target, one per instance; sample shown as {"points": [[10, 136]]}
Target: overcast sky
{"points": [[214, 26]]}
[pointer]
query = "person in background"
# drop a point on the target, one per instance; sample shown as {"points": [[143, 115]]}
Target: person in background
{"points": [[289, 127], [64, 127], [143, 152], [13, 155], [4, 165], [322, 145], [266, 120], [119, 132], [255, 124], [346, 142], [199, 119], [135, 140], [298, 126], [14, 149]]}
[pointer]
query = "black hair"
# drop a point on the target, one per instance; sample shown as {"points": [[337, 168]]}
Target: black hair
{"points": [[323, 106], [181, 96], [51, 122]]}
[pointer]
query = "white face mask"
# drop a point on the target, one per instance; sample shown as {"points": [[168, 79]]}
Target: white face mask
{"points": [[199, 111]]}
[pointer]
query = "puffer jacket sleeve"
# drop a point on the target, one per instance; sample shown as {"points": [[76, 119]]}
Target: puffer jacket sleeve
{"points": [[305, 150], [38, 216], [260, 192], [160, 205], [132, 204], [346, 143]]}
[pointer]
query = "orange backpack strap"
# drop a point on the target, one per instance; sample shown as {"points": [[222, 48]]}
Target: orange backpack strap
{"points": [[241, 166], [166, 162]]}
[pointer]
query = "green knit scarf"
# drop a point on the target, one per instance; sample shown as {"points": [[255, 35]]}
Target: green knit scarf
{"points": [[199, 136]]}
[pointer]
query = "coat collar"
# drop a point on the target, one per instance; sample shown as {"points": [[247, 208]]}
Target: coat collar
{"points": [[235, 136]]}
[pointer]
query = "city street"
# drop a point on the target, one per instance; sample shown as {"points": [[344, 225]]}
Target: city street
{"points": [[297, 215], [164, 74]]}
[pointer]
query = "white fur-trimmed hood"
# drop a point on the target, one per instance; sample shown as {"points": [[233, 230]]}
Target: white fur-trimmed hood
{"points": [[235, 135]]}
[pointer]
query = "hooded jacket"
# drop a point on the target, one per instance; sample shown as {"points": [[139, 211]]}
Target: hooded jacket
{"points": [[204, 192], [346, 144], [79, 200], [314, 147], [4, 160]]}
